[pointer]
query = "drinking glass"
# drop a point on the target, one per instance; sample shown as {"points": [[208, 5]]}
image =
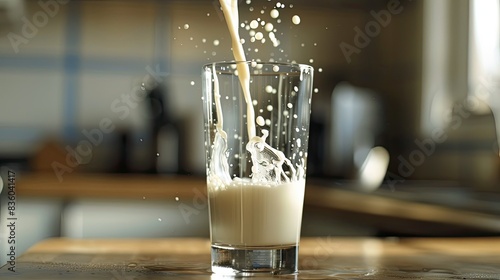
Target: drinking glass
{"points": [[256, 117]]}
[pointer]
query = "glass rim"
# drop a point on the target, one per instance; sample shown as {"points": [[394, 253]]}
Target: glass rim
{"points": [[278, 63]]}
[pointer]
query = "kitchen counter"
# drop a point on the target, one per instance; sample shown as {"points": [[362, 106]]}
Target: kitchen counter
{"points": [[389, 214], [319, 258]]}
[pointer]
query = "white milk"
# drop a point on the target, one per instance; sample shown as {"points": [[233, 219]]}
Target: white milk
{"points": [[249, 214]]}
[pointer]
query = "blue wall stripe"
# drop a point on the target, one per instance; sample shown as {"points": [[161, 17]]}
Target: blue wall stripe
{"points": [[25, 62], [56, 63], [20, 134], [71, 69]]}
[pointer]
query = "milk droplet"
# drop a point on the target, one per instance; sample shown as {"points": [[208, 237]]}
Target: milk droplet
{"points": [[311, 60], [254, 24], [316, 90], [289, 105], [269, 27], [259, 36], [157, 154], [177, 198], [269, 89], [192, 83], [216, 42], [276, 68], [269, 108], [203, 40], [186, 26], [159, 219], [141, 139], [320, 69], [260, 121], [296, 19], [274, 13]]}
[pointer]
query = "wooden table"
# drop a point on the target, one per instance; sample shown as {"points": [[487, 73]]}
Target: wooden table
{"points": [[385, 213], [320, 258]]}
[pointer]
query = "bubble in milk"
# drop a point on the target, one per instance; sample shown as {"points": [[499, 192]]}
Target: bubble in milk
{"points": [[274, 13], [186, 26], [296, 19], [260, 121]]}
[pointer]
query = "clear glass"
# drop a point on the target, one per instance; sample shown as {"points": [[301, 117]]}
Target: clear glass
{"points": [[256, 174]]}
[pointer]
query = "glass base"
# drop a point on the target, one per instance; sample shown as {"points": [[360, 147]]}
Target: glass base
{"points": [[250, 261]]}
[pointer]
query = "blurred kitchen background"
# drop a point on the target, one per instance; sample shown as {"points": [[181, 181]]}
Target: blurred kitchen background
{"points": [[404, 109]]}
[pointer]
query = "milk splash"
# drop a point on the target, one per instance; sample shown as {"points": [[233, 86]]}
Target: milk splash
{"points": [[267, 162]]}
